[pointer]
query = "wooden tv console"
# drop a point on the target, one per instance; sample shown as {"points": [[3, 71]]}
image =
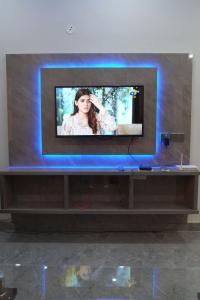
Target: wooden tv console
{"points": [[99, 191]]}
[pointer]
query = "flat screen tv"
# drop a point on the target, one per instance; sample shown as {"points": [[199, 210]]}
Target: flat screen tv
{"points": [[99, 110]]}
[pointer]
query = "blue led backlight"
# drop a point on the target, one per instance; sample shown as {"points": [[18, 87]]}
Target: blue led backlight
{"points": [[95, 161]]}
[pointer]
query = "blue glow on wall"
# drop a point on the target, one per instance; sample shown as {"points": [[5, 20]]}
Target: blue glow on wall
{"points": [[95, 161]]}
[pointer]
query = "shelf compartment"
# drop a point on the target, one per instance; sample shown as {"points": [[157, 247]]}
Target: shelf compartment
{"points": [[34, 192], [165, 192], [99, 192]]}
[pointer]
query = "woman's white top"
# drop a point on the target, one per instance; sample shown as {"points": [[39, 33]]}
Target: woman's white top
{"points": [[73, 125]]}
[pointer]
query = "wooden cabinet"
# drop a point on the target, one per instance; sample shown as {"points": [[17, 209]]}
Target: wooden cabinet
{"points": [[60, 191]]}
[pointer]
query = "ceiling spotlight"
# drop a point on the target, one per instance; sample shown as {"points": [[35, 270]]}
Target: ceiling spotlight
{"points": [[191, 55]]}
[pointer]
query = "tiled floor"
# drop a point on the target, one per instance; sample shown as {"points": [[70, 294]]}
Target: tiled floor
{"points": [[116, 266]]}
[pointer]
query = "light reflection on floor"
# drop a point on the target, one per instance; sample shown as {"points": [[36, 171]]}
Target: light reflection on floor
{"points": [[42, 282], [110, 266]]}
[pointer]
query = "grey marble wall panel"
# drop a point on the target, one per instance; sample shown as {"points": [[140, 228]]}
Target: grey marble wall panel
{"points": [[173, 107]]}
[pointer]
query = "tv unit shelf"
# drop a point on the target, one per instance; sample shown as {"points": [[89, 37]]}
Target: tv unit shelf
{"points": [[84, 191]]}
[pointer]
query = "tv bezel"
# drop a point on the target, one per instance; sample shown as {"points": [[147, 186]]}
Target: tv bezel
{"points": [[96, 136]]}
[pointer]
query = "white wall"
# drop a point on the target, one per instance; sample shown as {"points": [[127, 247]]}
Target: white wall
{"points": [[38, 26]]}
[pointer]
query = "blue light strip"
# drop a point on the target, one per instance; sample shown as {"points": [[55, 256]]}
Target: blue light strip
{"points": [[158, 108], [39, 113], [95, 161], [76, 167]]}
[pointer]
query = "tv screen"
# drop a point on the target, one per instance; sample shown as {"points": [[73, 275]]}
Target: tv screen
{"points": [[99, 110]]}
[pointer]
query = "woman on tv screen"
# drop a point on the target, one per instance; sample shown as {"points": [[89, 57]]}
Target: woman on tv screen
{"points": [[85, 120]]}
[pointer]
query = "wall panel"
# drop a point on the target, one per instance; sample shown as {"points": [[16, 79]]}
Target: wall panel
{"points": [[173, 110]]}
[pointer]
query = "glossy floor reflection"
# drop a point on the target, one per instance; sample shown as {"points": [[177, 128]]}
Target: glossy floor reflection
{"points": [[139, 266], [41, 282]]}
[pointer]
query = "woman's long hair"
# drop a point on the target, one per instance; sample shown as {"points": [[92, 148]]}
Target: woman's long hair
{"points": [[92, 121]]}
